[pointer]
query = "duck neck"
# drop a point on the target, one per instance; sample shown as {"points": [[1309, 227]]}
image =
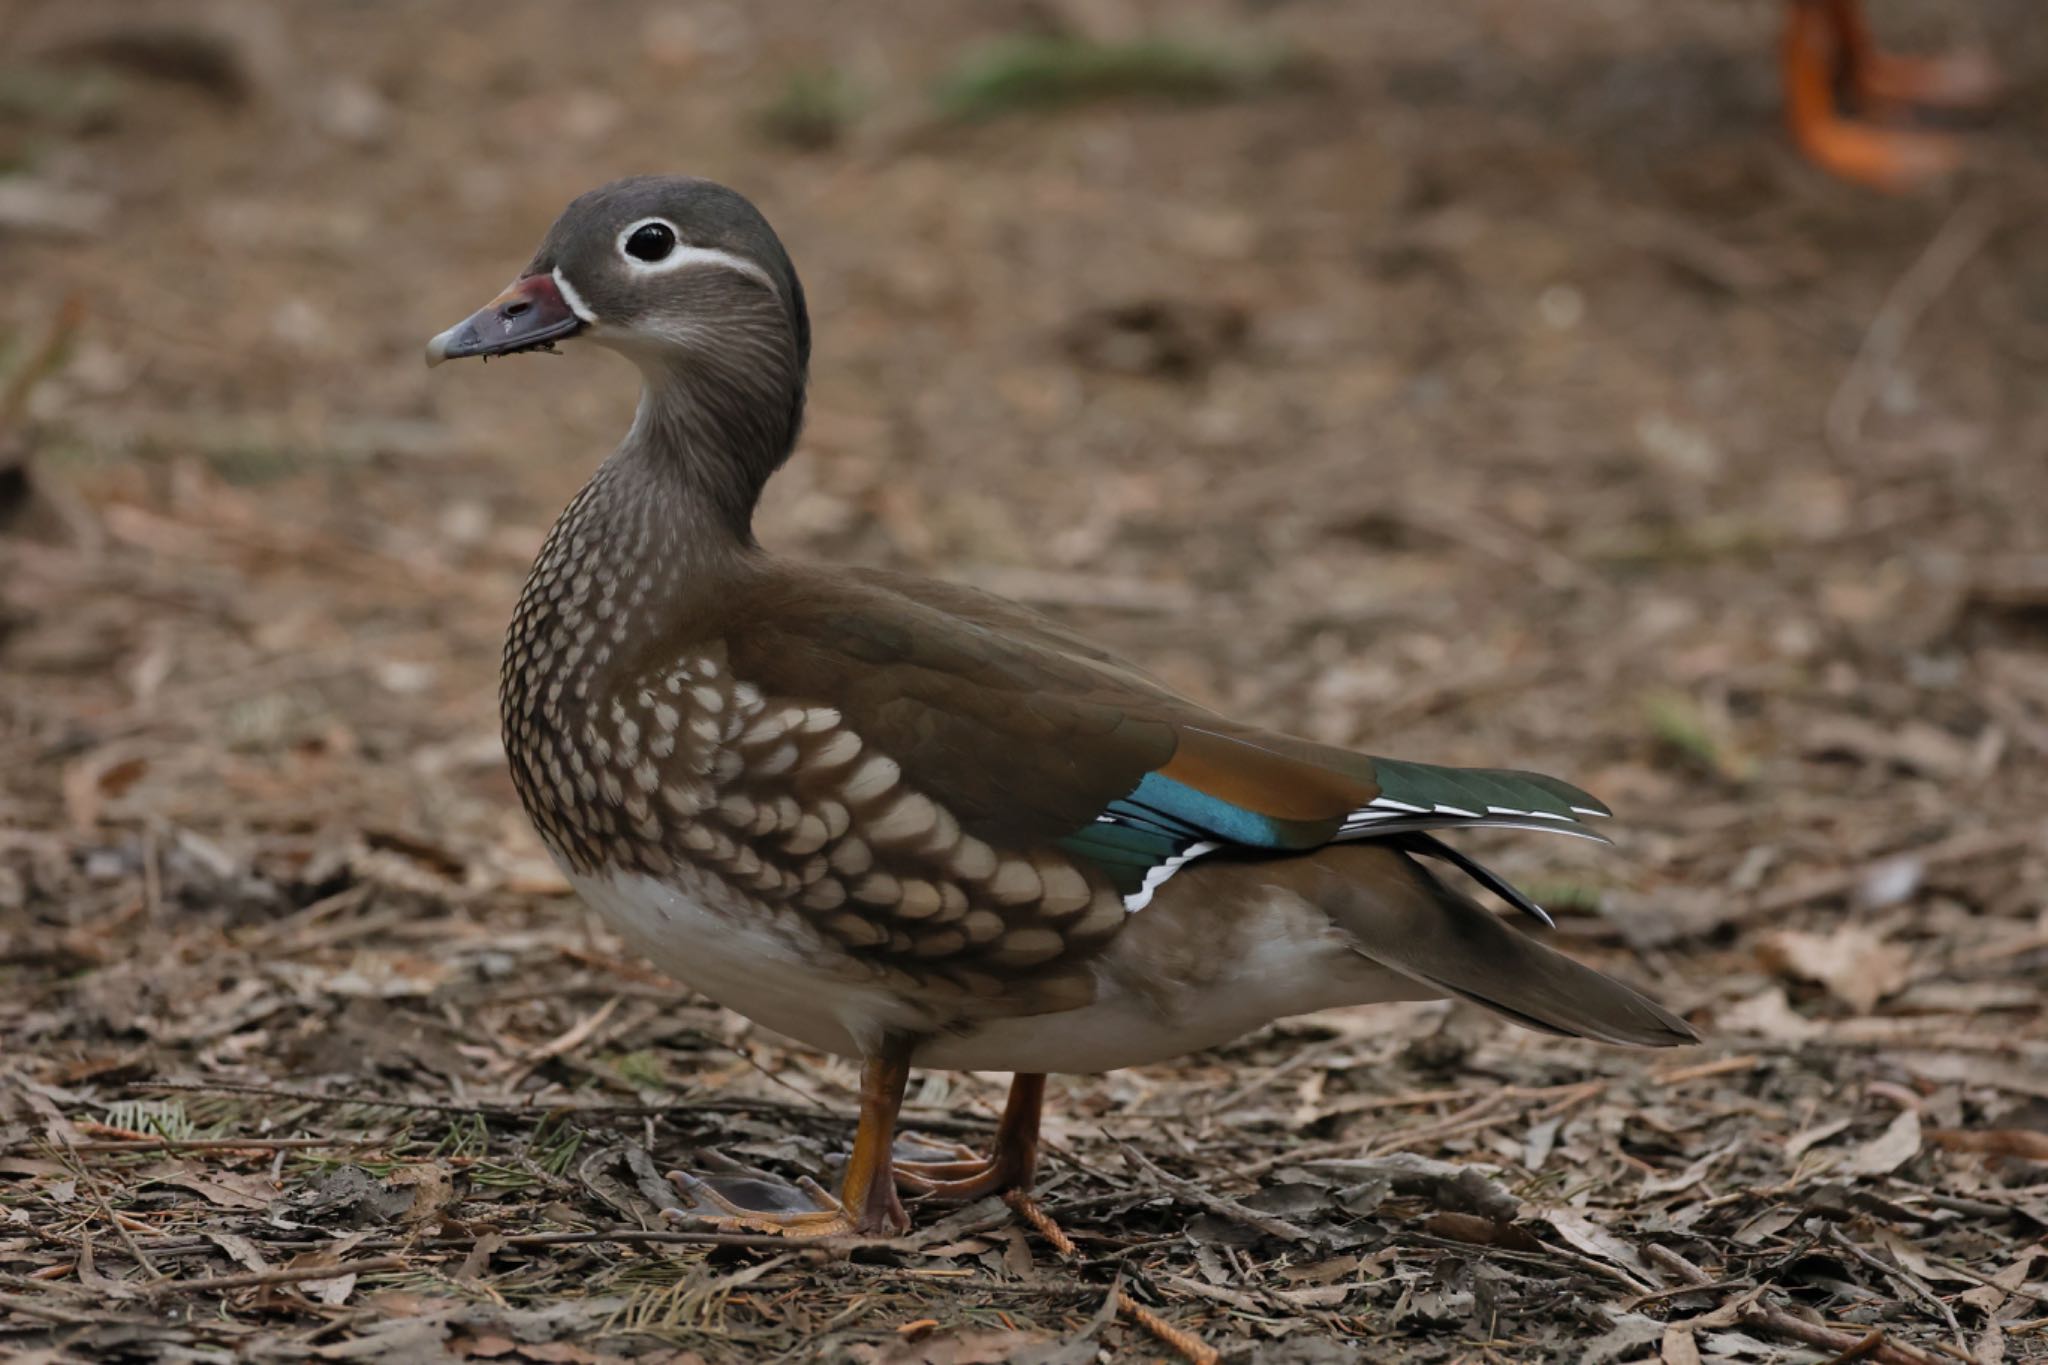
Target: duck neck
{"points": [[709, 433]]}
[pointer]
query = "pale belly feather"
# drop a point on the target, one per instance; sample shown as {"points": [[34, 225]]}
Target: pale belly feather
{"points": [[724, 945], [696, 928]]}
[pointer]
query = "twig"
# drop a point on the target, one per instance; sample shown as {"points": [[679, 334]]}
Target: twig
{"points": [[1313, 1151], [72, 1317], [106, 1210], [1677, 1291], [1886, 1351], [1501, 542], [1236, 1298], [1960, 238], [224, 1146], [43, 363], [291, 1275], [1313, 1052], [575, 1035], [1482, 1115], [1487, 1113], [1216, 1203], [1951, 1264], [1027, 1209], [1700, 1071], [1862, 1350], [1186, 1345], [1820, 886], [1473, 1117], [1905, 1277]]}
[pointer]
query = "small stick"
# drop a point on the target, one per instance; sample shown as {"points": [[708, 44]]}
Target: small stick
{"points": [[39, 366], [1238, 1213], [1861, 1350], [1027, 1209], [224, 1146], [1959, 239], [1479, 1115], [1186, 1345], [290, 1276], [1701, 1070], [70, 1317], [1886, 1351], [1679, 1290], [106, 1211], [576, 1035], [1906, 1277]]}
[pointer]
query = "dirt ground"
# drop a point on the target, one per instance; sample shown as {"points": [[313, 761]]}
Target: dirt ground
{"points": [[1481, 382]]}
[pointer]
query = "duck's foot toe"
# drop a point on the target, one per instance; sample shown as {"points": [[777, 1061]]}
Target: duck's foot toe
{"points": [[1893, 160], [926, 1158], [952, 1172], [740, 1198], [1960, 83]]}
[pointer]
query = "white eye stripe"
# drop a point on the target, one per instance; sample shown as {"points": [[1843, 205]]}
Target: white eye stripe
{"points": [[684, 256], [572, 298]]}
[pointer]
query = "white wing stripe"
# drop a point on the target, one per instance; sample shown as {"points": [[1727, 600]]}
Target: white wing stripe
{"points": [[1389, 803], [1157, 876]]}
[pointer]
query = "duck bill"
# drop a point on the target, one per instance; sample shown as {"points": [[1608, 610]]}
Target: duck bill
{"points": [[531, 315]]}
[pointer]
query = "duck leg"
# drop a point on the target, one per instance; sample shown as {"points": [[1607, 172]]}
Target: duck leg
{"points": [[960, 1173], [866, 1205], [1962, 82], [1828, 53]]}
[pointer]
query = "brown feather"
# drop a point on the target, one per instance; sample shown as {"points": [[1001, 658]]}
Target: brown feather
{"points": [[1249, 774], [1402, 917]]}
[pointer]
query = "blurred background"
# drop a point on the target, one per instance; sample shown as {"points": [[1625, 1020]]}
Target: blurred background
{"points": [[1485, 382]]}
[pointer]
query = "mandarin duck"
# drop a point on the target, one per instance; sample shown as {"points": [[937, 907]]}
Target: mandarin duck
{"points": [[1841, 91], [914, 824]]}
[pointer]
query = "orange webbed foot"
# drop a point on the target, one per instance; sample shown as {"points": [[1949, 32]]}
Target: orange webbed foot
{"points": [[1852, 105], [952, 1172], [1894, 160], [740, 1198], [1959, 83]]}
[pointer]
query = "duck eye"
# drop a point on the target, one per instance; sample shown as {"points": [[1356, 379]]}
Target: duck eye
{"points": [[651, 242]]}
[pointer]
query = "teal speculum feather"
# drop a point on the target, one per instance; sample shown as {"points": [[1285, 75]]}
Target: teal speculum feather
{"points": [[1125, 853], [1140, 839], [1177, 805]]}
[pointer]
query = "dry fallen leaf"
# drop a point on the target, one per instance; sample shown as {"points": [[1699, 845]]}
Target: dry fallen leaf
{"points": [[243, 1251], [1767, 1014], [431, 1190], [1679, 1347], [1589, 1237], [1989, 1298], [332, 1291], [1857, 967], [1797, 1144], [1889, 1150], [222, 1189]]}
